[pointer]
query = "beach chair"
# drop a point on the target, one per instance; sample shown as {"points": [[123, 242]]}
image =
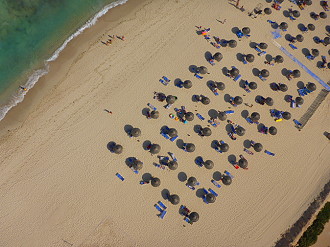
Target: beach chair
{"points": [[200, 116], [120, 176], [291, 18], [152, 107], [159, 166], [248, 151], [199, 161], [249, 120], [162, 215], [168, 106], [158, 208], [211, 61], [163, 82], [301, 92], [293, 104], [229, 174], [165, 135], [239, 34], [204, 200], [262, 78], [246, 87], [260, 52], [166, 79], [162, 205], [297, 123], [229, 112], [271, 22], [216, 183], [213, 192], [293, 47], [215, 91], [243, 60], [269, 153], [231, 135], [198, 76], [237, 78], [174, 138]]}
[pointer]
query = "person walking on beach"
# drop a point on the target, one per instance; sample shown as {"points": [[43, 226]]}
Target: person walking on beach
{"points": [[237, 3]]}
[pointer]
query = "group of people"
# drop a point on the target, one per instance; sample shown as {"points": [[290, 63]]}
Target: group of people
{"points": [[108, 42]]}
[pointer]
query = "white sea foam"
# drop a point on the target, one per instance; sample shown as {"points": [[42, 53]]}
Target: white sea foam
{"points": [[18, 96]]}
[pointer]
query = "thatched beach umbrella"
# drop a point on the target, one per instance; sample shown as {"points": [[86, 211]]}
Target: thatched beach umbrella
{"points": [[206, 131], [222, 116], [296, 13], [279, 59], [221, 86], [170, 99], [258, 147], [136, 132], [154, 114], [224, 147], [299, 101], [172, 132], [210, 198], [238, 100], [300, 38], [187, 84], [234, 72], [209, 164], [327, 40], [323, 15], [172, 165], [255, 116], [267, 11], [272, 130], [311, 86], [192, 181], [205, 100], [253, 85], [232, 43], [269, 101], [315, 52], [286, 115], [218, 56], [118, 149], [155, 182], [174, 199], [283, 87], [226, 180], [311, 27], [240, 131], [189, 116], [202, 70], [296, 73], [137, 165], [243, 163], [284, 25], [264, 73], [250, 58], [194, 217], [190, 147], [263, 46], [246, 30], [154, 149]]}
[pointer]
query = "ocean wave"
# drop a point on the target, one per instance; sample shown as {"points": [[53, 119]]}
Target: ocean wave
{"points": [[18, 96]]}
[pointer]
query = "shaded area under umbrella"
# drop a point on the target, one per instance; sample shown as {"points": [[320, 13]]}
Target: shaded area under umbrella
{"points": [[155, 182], [135, 132], [243, 163], [218, 56], [174, 199], [154, 149], [209, 164], [257, 147], [226, 180], [253, 85], [118, 149], [187, 84], [189, 116], [222, 116], [272, 130]]}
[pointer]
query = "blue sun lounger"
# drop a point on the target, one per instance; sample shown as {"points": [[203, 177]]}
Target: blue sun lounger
{"points": [[249, 120], [262, 78], [229, 174], [297, 122], [158, 208], [243, 60], [165, 135], [310, 57], [162, 215], [166, 79], [293, 47], [237, 78], [187, 220], [216, 183], [291, 18], [269, 153], [198, 76], [174, 138], [162, 205], [200, 116], [229, 112], [179, 84], [120, 176], [152, 107], [190, 187], [260, 52], [163, 82], [213, 192], [239, 34]]}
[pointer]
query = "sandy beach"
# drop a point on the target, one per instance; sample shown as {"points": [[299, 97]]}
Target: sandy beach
{"points": [[57, 176]]}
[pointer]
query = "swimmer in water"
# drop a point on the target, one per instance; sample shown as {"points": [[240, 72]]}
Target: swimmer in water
{"points": [[23, 88]]}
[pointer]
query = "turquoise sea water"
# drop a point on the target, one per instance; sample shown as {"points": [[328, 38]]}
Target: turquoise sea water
{"points": [[31, 31]]}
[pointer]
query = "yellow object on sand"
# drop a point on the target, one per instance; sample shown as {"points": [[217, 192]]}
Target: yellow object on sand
{"points": [[278, 120]]}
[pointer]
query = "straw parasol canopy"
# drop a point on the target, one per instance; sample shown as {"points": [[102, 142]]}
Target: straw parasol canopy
{"points": [[308, 2], [327, 40], [194, 217], [170, 99], [222, 116], [189, 116], [154, 114], [137, 165], [263, 45], [253, 85], [210, 198], [238, 100], [209, 164], [250, 58], [296, 13], [283, 87], [323, 15], [243, 163], [269, 101], [234, 72], [232, 43], [118, 149], [154, 149], [272, 130], [218, 56], [224, 147], [172, 132], [255, 116], [226, 180], [192, 181], [299, 101], [155, 182], [174, 199], [315, 52], [187, 84], [311, 27], [258, 147], [267, 11], [284, 25], [246, 30], [190, 147], [221, 86], [136, 132], [202, 70], [296, 73], [311, 86], [279, 59], [264, 73], [172, 165], [205, 100], [300, 38], [240, 131], [206, 131], [286, 115]]}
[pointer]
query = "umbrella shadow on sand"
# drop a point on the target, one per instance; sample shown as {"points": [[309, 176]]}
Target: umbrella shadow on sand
{"points": [[213, 113], [145, 111], [179, 143], [128, 128], [110, 146], [146, 145], [232, 158], [200, 193], [208, 56], [193, 68], [245, 114], [217, 176], [165, 193], [146, 177], [182, 176]]}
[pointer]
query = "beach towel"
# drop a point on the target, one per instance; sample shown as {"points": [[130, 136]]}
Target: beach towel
{"points": [[120, 176], [200, 116], [198, 76]]}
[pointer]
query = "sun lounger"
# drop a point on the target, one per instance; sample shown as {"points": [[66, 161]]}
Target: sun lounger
{"points": [[293, 104], [165, 135], [162, 205], [172, 156], [174, 138], [249, 120], [302, 92], [198, 76], [297, 122], [200, 116], [216, 183], [158, 208], [246, 87], [152, 107], [237, 78], [204, 200], [190, 187], [186, 219], [213, 192], [229, 112], [260, 52], [215, 91], [243, 60], [211, 61], [231, 135], [159, 166], [269, 153], [199, 161], [248, 151], [179, 84], [168, 106], [166, 79], [163, 82], [135, 171], [214, 124], [229, 174], [293, 47], [262, 78], [271, 22], [239, 34], [292, 18], [233, 129], [162, 215], [120, 176]]}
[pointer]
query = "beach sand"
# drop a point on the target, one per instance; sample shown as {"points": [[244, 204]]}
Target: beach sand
{"points": [[58, 183]]}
